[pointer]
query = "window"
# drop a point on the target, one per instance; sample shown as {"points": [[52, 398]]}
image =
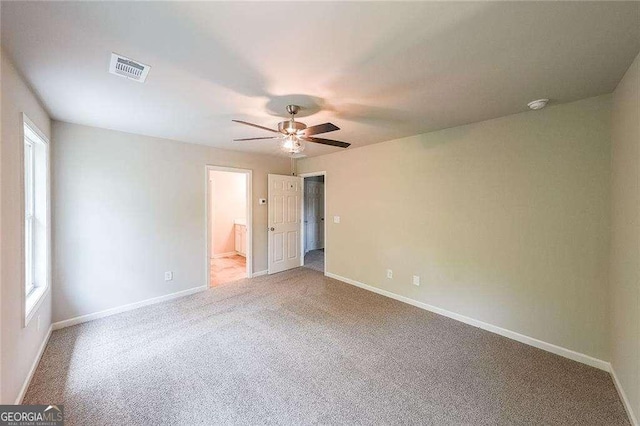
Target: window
{"points": [[36, 217], [29, 191]]}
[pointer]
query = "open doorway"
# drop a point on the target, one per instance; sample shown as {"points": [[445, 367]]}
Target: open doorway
{"points": [[313, 229], [228, 224]]}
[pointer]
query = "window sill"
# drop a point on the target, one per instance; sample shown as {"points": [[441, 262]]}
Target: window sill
{"points": [[33, 302]]}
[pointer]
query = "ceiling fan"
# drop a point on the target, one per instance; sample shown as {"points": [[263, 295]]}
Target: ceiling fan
{"points": [[293, 133]]}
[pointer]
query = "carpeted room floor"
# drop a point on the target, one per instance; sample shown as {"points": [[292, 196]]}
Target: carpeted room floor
{"points": [[300, 348]]}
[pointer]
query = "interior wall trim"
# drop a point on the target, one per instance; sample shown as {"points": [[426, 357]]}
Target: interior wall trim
{"points": [[549, 347], [124, 308], [623, 397]]}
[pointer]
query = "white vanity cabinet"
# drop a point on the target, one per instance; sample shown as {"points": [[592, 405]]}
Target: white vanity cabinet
{"points": [[241, 238]]}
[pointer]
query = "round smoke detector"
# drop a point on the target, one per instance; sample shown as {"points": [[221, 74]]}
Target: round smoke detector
{"points": [[538, 104]]}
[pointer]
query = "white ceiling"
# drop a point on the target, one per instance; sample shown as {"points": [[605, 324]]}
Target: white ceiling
{"points": [[377, 70]]}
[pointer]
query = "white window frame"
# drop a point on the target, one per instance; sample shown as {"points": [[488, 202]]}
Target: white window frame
{"points": [[33, 293]]}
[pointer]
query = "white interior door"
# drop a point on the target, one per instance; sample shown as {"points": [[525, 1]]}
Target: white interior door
{"points": [[313, 215], [285, 211]]}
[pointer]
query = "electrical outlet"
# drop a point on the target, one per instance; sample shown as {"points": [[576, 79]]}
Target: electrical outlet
{"points": [[168, 276], [389, 273], [416, 280], [336, 219]]}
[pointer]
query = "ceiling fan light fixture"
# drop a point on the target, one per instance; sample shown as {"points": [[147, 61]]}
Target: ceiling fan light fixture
{"points": [[291, 144]]}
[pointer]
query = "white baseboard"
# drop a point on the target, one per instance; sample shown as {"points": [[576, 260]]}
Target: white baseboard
{"points": [[32, 371], [623, 396], [549, 347], [117, 310], [260, 273], [219, 255]]}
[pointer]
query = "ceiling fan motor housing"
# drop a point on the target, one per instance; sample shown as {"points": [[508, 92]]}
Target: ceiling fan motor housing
{"points": [[290, 127]]}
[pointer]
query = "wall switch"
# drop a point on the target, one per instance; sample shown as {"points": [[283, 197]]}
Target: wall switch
{"points": [[416, 280], [389, 273], [336, 219], [168, 276]]}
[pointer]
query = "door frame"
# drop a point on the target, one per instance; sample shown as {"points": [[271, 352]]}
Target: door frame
{"points": [[324, 226], [208, 231]]}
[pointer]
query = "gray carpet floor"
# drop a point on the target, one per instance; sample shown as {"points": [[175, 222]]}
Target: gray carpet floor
{"points": [[314, 259], [300, 348]]}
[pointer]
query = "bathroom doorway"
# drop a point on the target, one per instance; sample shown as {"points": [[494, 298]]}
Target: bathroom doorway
{"points": [[228, 224]]}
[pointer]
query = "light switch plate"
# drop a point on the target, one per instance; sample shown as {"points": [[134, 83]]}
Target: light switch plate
{"points": [[336, 219], [168, 276], [416, 280]]}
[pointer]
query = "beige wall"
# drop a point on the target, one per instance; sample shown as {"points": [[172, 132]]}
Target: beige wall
{"points": [[19, 345], [505, 221], [2, 143], [228, 203], [625, 241], [128, 208]]}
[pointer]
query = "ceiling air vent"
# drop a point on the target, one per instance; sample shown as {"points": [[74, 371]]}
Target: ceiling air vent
{"points": [[128, 68]]}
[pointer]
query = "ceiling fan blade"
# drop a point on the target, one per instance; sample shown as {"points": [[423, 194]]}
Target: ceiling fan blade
{"points": [[255, 139], [320, 128], [255, 125], [328, 142]]}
